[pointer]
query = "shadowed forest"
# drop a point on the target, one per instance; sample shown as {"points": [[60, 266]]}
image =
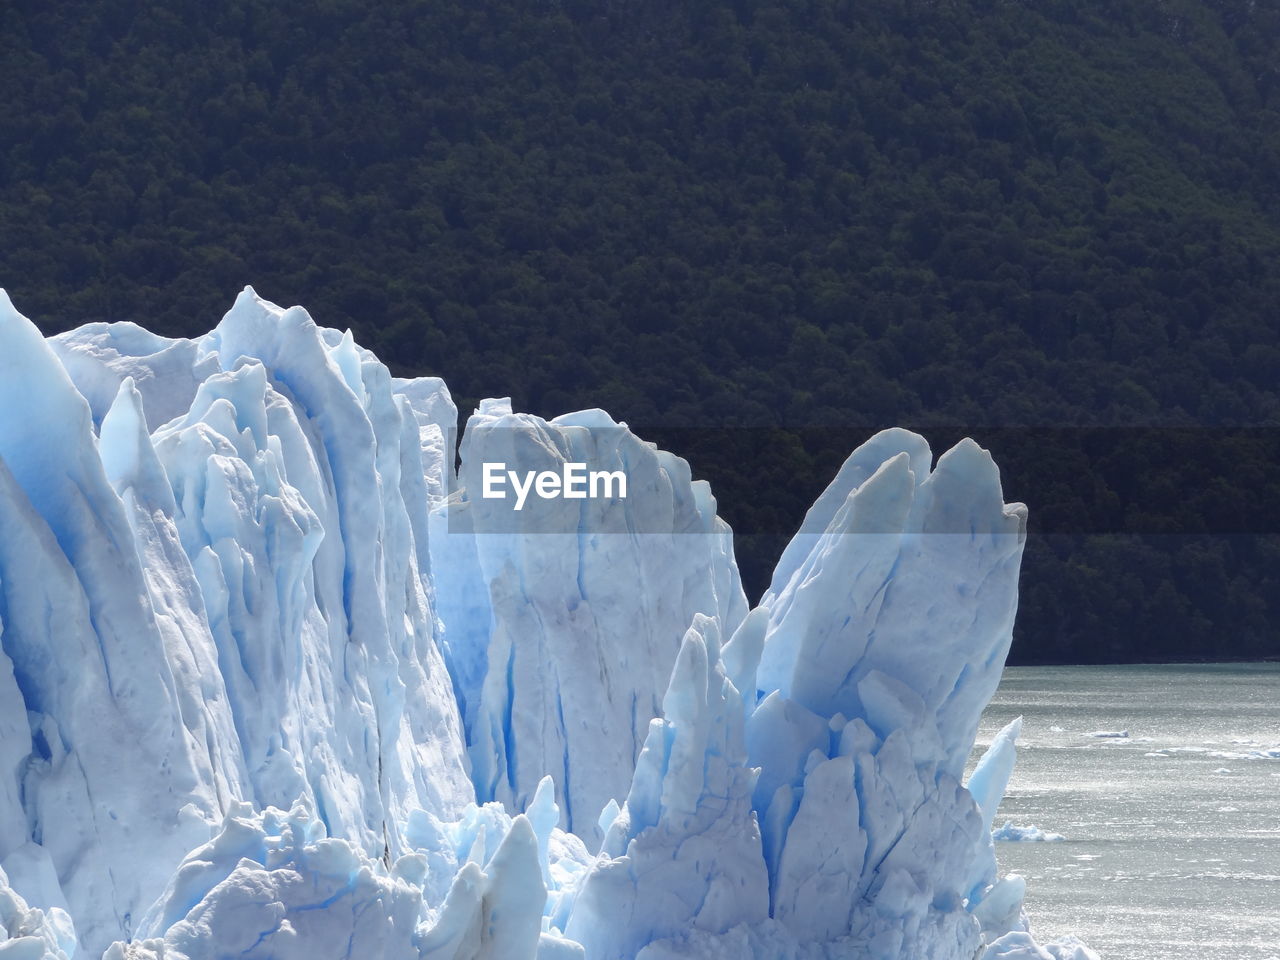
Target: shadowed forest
{"points": [[755, 230]]}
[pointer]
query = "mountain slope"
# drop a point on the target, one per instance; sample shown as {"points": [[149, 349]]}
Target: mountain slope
{"points": [[962, 216]]}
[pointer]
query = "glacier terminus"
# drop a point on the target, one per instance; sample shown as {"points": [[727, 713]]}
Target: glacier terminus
{"points": [[279, 682]]}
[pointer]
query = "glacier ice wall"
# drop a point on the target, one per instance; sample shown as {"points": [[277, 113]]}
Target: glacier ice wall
{"points": [[563, 622], [276, 682], [226, 608]]}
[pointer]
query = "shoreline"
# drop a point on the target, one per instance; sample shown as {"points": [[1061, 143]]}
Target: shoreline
{"points": [[1183, 662]]}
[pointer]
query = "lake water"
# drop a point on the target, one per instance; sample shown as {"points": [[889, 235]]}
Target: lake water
{"points": [[1172, 835]]}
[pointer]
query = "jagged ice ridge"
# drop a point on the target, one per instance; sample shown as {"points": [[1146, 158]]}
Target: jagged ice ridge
{"points": [[274, 684]]}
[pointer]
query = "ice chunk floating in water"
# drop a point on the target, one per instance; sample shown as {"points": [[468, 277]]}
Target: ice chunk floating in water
{"points": [[1012, 833], [275, 683]]}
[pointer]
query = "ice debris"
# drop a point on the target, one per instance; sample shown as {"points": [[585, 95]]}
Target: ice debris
{"points": [[1013, 833]]}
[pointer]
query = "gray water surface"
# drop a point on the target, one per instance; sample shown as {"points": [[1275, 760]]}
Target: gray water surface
{"points": [[1172, 834]]}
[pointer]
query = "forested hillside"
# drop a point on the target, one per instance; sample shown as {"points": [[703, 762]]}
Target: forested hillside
{"points": [[757, 230]]}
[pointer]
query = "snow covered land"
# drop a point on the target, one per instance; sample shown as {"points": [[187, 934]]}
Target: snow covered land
{"points": [[274, 686]]}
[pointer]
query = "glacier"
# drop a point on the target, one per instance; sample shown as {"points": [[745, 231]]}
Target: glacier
{"points": [[276, 682]]}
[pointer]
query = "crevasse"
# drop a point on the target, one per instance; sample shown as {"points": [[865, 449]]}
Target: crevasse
{"points": [[276, 683]]}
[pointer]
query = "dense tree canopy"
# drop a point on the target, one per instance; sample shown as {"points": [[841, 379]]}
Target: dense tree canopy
{"points": [[1053, 226]]}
